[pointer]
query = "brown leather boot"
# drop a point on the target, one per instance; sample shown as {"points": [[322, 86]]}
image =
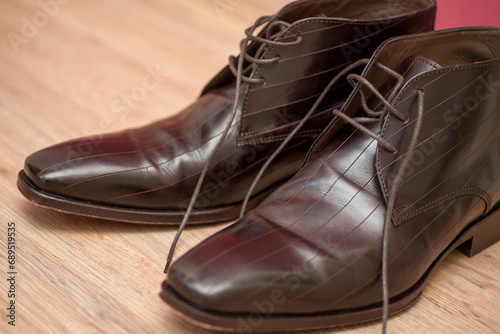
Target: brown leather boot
{"points": [[407, 172], [148, 175]]}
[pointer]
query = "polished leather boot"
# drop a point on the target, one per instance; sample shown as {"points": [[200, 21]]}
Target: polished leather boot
{"points": [[148, 175], [407, 172]]}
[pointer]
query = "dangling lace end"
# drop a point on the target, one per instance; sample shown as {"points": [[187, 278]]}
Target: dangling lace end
{"points": [[238, 71], [183, 224], [208, 162], [167, 266]]}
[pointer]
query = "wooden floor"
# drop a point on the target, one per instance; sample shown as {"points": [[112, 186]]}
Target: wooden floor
{"points": [[63, 76]]}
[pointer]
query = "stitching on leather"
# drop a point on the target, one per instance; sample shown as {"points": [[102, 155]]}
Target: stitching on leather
{"points": [[455, 32], [444, 71], [312, 76], [289, 34], [311, 97], [379, 159], [415, 58], [247, 135], [485, 196], [340, 46], [257, 70], [408, 86], [266, 140], [438, 202]]}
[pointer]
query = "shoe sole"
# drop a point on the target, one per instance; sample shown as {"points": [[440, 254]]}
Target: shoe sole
{"points": [[128, 215], [471, 241]]}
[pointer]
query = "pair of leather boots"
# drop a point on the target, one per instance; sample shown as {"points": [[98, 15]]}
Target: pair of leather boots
{"points": [[363, 158]]}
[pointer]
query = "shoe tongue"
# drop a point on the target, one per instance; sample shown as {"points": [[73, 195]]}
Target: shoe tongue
{"points": [[414, 66]]}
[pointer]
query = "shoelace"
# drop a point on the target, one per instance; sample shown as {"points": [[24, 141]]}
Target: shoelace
{"points": [[256, 60], [241, 75], [357, 122], [379, 116]]}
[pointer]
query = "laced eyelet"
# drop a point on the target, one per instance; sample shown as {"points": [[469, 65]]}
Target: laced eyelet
{"points": [[406, 120]]}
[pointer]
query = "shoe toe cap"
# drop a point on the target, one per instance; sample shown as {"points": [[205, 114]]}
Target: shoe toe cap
{"points": [[50, 169], [250, 267], [76, 169]]}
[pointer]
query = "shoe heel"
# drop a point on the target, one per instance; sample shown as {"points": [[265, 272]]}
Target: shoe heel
{"points": [[483, 235]]}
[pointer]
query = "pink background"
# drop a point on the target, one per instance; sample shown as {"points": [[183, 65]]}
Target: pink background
{"points": [[464, 13]]}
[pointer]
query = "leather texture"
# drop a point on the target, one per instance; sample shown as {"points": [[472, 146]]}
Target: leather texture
{"points": [[314, 246], [156, 168]]}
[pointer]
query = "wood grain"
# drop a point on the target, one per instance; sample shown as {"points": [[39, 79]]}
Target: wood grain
{"points": [[65, 80]]}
